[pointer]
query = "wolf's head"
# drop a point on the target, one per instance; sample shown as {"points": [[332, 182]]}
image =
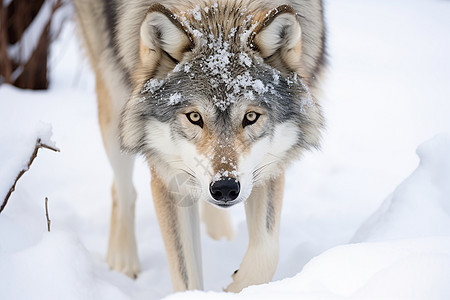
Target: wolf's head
{"points": [[221, 96]]}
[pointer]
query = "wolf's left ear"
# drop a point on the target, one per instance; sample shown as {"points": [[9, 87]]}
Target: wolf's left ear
{"points": [[163, 36], [278, 38]]}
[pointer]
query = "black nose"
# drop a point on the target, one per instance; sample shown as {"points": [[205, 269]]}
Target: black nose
{"points": [[225, 190]]}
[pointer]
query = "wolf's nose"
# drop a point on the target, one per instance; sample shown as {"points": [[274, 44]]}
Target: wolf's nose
{"points": [[225, 190]]}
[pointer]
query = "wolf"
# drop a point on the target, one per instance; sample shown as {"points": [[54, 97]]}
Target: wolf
{"points": [[219, 96]]}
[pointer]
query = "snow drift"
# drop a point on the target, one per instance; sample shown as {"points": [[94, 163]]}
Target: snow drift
{"points": [[420, 206]]}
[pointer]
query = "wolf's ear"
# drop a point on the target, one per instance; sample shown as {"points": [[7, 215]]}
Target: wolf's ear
{"points": [[278, 38], [162, 34]]}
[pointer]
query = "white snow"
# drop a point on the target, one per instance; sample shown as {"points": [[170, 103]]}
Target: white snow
{"points": [[244, 59], [197, 13], [175, 98], [59, 260], [151, 86], [364, 218]]}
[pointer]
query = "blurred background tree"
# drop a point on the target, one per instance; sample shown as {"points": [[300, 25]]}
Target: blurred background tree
{"points": [[27, 28]]}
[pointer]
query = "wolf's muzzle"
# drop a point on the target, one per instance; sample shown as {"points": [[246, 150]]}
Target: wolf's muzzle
{"points": [[225, 190]]}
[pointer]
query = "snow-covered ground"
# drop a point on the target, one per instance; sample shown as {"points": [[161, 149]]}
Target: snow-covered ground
{"points": [[364, 218]]}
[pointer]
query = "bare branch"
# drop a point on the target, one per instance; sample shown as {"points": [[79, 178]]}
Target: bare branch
{"points": [[33, 156], [46, 214]]}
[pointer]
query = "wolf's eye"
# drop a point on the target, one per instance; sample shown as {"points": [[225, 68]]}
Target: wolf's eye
{"points": [[195, 118], [250, 118]]}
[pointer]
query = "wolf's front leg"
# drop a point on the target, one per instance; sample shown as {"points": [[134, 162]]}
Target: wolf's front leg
{"points": [[263, 209], [217, 221], [179, 223], [122, 251]]}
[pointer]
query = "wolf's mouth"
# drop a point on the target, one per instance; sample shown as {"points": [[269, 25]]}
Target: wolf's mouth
{"points": [[225, 204]]}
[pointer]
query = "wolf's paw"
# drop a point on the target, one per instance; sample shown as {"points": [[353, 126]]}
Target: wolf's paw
{"points": [[237, 285], [125, 263], [247, 275]]}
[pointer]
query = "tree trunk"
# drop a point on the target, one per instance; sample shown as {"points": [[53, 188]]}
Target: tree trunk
{"points": [[22, 63]]}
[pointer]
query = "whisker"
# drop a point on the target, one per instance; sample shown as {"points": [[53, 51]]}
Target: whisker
{"points": [[257, 173], [175, 161], [264, 166], [187, 172]]}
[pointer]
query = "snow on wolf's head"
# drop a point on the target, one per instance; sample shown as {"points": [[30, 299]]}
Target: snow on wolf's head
{"points": [[220, 98]]}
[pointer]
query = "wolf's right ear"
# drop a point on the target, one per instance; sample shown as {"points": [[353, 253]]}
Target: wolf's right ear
{"points": [[162, 34], [278, 38]]}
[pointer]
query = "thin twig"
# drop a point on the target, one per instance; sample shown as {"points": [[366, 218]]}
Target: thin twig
{"points": [[46, 214], [33, 156], [48, 147]]}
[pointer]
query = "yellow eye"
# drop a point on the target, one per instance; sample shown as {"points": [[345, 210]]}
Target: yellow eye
{"points": [[250, 118], [195, 118]]}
